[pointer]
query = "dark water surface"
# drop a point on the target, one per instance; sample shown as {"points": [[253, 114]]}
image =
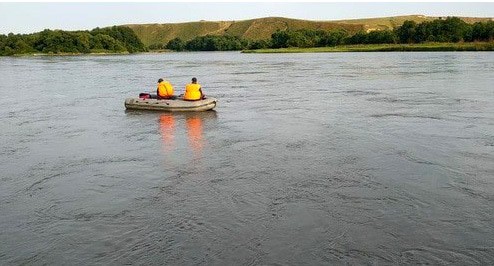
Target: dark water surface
{"points": [[359, 158]]}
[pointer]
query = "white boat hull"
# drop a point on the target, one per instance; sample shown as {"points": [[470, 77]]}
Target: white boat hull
{"points": [[177, 105]]}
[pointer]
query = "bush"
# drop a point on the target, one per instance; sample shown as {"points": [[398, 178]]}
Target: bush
{"points": [[176, 44], [215, 43]]}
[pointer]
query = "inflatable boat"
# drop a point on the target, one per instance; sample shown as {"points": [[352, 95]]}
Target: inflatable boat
{"points": [[178, 105]]}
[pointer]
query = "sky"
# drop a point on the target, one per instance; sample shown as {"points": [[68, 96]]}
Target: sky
{"points": [[33, 17]]}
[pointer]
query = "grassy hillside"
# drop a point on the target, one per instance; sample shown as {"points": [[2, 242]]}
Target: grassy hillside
{"points": [[162, 33], [387, 23], [262, 28]]}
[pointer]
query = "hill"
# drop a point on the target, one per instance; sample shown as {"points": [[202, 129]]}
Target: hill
{"points": [[262, 28]]}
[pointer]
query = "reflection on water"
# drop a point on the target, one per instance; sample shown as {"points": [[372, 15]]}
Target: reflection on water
{"points": [[194, 133], [193, 122], [167, 128]]}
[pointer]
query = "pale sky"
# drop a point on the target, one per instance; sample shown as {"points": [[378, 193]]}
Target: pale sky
{"points": [[34, 17]]}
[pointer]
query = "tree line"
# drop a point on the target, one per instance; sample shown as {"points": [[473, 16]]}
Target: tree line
{"points": [[451, 29], [207, 43], [116, 39], [119, 39]]}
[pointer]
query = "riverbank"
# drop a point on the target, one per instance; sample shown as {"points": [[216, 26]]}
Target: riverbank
{"points": [[67, 54], [435, 47], [92, 53], [427, 47]]}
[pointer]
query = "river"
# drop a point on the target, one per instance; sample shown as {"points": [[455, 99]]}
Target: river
{"points": [[308, 159]]}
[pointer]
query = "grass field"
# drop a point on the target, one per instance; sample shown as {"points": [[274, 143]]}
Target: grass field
{"points": [[475, 46]]}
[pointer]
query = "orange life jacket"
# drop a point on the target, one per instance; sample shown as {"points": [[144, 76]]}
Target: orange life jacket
{"points": [[192, 92], [165, 90]]}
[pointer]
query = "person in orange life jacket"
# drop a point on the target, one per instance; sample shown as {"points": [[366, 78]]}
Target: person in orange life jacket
{"points": [[193, 91], [165, 90]]}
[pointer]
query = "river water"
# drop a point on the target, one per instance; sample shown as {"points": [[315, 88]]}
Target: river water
{"points": [[337, 158]]}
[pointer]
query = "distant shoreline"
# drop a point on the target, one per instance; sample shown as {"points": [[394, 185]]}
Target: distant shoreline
{"points": [[90, 54], [66, 54], [422, 47]]}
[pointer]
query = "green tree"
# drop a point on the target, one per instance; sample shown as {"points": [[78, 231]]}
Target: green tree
{"points": [[380, 36], [454, 29], [21, 47], [259, 44], [83, 41], [8, 51], [176, 44], [357, 38], [406, 32], [124, 35], [106, 42], [215, 43], [423, 32], [3, 42], [482, 31], [279, 39], [333, 38]]}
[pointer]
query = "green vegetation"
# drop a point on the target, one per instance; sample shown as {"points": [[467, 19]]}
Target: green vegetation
{"points": [[176, 44], [206, 43], [215, 43], [116, 39], [449, 31]]}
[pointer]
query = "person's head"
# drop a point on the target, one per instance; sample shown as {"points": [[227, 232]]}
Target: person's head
{"points": [[194, 80], [160, 80]]}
